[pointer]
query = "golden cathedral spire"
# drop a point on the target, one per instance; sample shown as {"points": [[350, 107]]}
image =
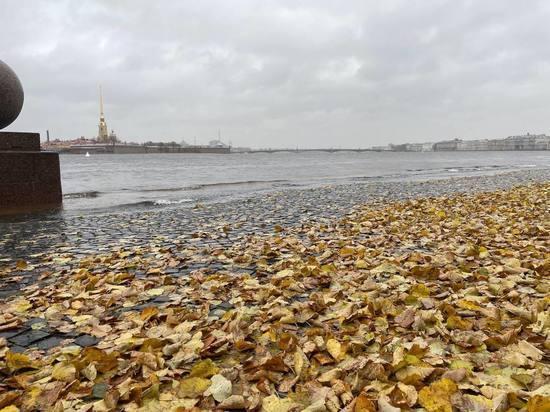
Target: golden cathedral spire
{"points": [[103, 135]]}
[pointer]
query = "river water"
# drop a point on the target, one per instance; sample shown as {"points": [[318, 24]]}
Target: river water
{"points": [[113, 182]]}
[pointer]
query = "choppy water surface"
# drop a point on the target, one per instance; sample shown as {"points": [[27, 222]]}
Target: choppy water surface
{"points": [[111, 182]]}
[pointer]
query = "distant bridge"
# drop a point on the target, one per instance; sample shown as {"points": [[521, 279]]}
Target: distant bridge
{"points": [[331, 150]]}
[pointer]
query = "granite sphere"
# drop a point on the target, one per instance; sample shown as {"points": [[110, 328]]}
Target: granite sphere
{"points": [[11, 95]]}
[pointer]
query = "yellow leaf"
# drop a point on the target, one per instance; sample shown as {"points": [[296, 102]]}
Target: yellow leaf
{"points": [[437, 396], [204, 369], [273, 403], [346, 251], [361, 264], [413, 374], [284, 274], [330, 375], [385, 267], [193, 387], [483, 252], [512, 262], [456, 322], [31, 397], [476, 403], [462, 364], [16, 361], [155, 292], [22, 305], [64, 373], [21, 264], [539, 403], [420, 290], [334, 348], [90, 372], [468, 305], [11, 408], [148, 313]]}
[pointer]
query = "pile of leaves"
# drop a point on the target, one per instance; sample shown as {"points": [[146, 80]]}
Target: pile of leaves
{"points": [[435, 304]]}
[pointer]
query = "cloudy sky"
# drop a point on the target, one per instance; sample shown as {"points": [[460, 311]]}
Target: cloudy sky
{"points": [[354, 73]]}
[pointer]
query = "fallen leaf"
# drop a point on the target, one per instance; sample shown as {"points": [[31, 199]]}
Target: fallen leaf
{"points": [[193, 387], [64, 372], [204, 369], [220, 389], [274, 404], [334, 348], [437, 396]]}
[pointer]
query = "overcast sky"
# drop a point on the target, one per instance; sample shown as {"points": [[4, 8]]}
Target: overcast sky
{"points": [[282, 73]]}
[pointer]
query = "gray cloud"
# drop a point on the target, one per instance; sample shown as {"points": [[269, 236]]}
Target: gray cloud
{"points": [[282, 73]]}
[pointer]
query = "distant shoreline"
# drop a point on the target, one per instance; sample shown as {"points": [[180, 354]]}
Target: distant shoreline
{"points": [[137, 149], [123, 149]]}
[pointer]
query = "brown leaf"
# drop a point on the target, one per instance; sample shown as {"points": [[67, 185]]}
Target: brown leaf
{"points": [[276, 364], [234, 402], [405, 318]]}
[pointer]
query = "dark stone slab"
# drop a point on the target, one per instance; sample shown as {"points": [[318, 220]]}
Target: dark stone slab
{"points": [[86, 340], [28, 337], [29, 181], [35, 321], [49, 342], [5, 292], [17, 349], [99, 390], [19, 141], [10, 333]]}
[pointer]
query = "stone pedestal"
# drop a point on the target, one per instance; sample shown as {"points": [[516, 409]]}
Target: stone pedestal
{"points": [[29, 179]]}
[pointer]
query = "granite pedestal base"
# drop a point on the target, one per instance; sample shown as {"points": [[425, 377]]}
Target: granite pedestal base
{"points": [[29, 179]]}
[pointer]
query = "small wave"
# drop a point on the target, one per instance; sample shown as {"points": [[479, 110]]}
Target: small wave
{"points": [[360, 178], [151, 203], [82, 195], [163, 202], [245, 182], [167, 189], [376, 177], [205, 185]]}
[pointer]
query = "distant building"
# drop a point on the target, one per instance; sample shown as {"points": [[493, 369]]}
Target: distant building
{"points": [[381, 148], [447, 145], [398, 147], [59, 145], [419, 147], [522, 142], [112, 137], [103, 133], [240, 149], [467, 145], [217, 143]]}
